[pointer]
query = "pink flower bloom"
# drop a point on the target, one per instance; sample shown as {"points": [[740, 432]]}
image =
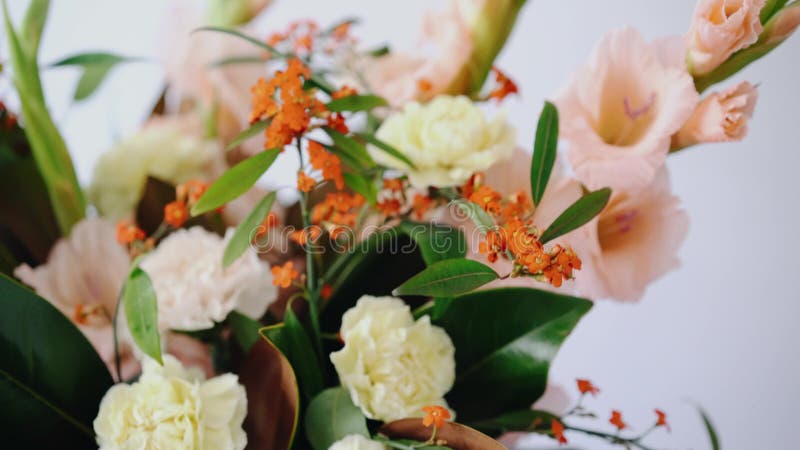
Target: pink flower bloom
{"points": [[632, 242], [720, 28], [619, 112], [720, 117], [401, 78]]}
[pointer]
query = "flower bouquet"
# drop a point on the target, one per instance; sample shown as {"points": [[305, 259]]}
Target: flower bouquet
{"points": [[412, 287]]}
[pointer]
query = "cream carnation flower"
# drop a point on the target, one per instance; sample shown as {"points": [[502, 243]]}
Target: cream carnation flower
{"points": [[192, 288], [447, 139], [392, 365], [168, 149], [171, 407], [356, 442]]}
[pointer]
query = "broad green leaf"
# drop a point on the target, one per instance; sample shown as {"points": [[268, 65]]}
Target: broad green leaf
{"points": [[528, 420], [235, 182], [245, 329], [251, 132], [255, 41], [141, 311], [51, 379], [331, 416], [506, 339], [362, 185], [273, 398], [242, 236], [295, 343], [356, 103], [476, 214], [393, 152], [712, 432], [448, 278], [545, 148], [351, 147], [578, 214], [457, 436], [437, 242]]}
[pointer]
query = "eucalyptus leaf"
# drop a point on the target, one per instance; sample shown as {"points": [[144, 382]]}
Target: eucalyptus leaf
{"points": [[448, 278], [545, 149], [141, 311], [51, 378], [331, 416], [356, 103], [251, 132], [242, 236], [578, 214], [235, 182]]}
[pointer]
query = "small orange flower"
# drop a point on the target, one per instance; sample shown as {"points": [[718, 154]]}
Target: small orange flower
{"points": [[424, 85], [586, 387], [128, 233], [191, 191], [661, 420], [421, 205], [337, 122], [327, 162], [304, 43], [283, 275], [558, 431], [304, 182], [341, 32], [389, 207], [616, 420], [326, 292], [435, 415], [487, 198], [344, 91], [271, 221], [176, 213], [505, 85], [393, 184], [302, 236]]}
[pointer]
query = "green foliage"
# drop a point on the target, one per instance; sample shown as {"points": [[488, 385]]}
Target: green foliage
{"points": [[295, 344], [390, 150], [362, 185], [545, 149], [95, 67], [51, 379], [351, 149], [331, 416], [141, 311], [356, 103], [235, 182], [242, 236], [578, 214], [437, 242], [245, 329], [254, 130], [448, 278]]}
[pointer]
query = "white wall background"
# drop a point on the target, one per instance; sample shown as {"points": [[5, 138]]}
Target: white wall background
{"points": [[721, 331]]}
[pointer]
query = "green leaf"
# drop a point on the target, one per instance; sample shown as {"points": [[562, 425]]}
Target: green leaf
{"points": [[318, 82], [91, 59], [578, 214], [545, 148], [235, 182], [770, 8], [242, 236], [331, 416], [33, 24], [237, 60], [295, 343], [245, 329], [356, 103], [437, 242], [476, 214], [393, 152], [96, 67], [141, 311], [448, 278], [362, 185], [255, 41], [251, 132], [712, 433], [527, 420], [351, 148], [506, 340], [51, 379]]}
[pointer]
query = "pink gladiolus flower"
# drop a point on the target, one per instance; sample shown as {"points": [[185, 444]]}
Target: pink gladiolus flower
{"points": [[720, 117]]}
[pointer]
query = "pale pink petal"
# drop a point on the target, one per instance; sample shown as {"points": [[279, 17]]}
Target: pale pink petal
{"points": [[720, 117]]}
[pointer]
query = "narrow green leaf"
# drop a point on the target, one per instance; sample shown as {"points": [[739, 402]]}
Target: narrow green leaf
{"points": [[96, 66], [545, 148], [242, 236], [578, 214], [770, 8], [245, 329], [91, 79], [476, 214], [318, 82], [255, 41], [141, 311], [351, 147], [91, 59], [300, 351], [251, 132], [236, 60], [379, 51], [362, 185], [528, 420], [331, 416], [356, 103], [448, 278], [33, 24], [393, 152], [436, 242], [712, 432], [235, 182]]}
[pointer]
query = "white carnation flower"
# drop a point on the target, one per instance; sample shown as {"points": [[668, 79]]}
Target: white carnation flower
{"points": [[192, 288], [447, 139], [392, 365], [356, 442], [171, 407]]}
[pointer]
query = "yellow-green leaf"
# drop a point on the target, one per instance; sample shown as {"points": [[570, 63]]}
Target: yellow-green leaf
{"points": [[235, 182], [242, 236]]}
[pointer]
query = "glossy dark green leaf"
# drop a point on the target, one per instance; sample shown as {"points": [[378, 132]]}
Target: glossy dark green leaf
{"points": [[391, 151], [255, 41], [578, 214], [243, 234], [245, 329], [331, 416], [51, 379], [437, 242], [356, 103], [254, 130], [296, 345], [545, 148], [448, 278], [141, 311], [528, 420], [506, 339], [362, 185], [712, 432], [351, 147], [235, 182]]}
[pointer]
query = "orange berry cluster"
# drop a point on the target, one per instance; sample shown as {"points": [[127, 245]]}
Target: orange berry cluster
{"points": [[516, 238]]}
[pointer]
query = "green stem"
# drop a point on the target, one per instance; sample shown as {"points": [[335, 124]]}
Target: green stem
{"points": [[612, 438]]}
